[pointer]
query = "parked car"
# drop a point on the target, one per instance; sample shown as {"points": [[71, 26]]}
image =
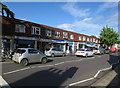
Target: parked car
{"points": [[107, 51], [98, 51], [113, 49], [54, 52], [84, 52], [24, 56]]}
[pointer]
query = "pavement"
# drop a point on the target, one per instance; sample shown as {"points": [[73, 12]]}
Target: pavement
{"points": [[111, 79]]}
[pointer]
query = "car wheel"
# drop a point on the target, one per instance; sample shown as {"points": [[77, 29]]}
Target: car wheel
{"points": [[86, 55], [53, 55], [44, 60], [93, 55], [24, 62]]}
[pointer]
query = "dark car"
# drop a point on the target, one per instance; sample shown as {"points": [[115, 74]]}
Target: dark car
{"points": [[107, 51]]}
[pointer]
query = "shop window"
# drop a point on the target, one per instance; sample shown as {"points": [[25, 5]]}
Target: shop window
{"points": [[35, 30], [90, 39], [80, 38], [65, 35], [87, 39], [71, 36], [48, 33], [57, 34], [84, 38], [19, 28]]}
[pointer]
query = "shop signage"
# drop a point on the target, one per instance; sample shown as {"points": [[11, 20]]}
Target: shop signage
{"points": [[3, 40], [59, 41], [70, 42], [45, 40], [24, 38]]}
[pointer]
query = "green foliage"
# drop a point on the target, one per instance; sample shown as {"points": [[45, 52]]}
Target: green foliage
{"points": [[94, 36], [108, 36]]}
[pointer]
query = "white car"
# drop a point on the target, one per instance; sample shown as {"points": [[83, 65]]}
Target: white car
{"points": [[84, 52], [54, 52]]}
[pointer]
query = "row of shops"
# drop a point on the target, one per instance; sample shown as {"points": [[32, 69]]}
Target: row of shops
{"points": [[10, 44]]}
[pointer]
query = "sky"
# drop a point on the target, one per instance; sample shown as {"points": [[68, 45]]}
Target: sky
{"points": [[81, 17]]}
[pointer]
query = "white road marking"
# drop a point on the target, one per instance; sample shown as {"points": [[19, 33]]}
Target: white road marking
{"points": [[16, 71], [3, 83], [95, 76], [44, 66], [59, 63]]}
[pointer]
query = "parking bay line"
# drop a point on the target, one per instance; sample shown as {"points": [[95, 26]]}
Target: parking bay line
{"points": [[43, 66]]}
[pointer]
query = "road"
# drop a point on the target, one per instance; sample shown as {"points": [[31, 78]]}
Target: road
{"points": [[59, 71]]}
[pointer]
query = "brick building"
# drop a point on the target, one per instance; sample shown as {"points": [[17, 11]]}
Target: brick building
{"points": [[18, 33]]}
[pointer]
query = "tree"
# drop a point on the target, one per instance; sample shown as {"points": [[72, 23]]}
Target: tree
{"points": [[6, 9], [94, 36], [108, 36]]}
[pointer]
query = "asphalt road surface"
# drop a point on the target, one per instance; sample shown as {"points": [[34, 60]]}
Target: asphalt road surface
{"points": [[59, 71]]}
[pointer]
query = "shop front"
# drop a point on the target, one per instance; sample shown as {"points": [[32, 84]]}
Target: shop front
{"points": [[44, 44], [60, 44], [70, 47], [24, 42]]}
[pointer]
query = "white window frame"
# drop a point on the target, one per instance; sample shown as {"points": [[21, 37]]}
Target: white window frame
{"points": [[58, 34], [65, 35], [80, 37], [87, 39], [93, 39], [84, 38], [34, 29], [18, 30], [71, 36], [96, 41], [48, 33], [90, 39]]}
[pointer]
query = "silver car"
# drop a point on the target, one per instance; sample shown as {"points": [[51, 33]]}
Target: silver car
{"points": [[28, 55], [54, 52], [98, 51]]}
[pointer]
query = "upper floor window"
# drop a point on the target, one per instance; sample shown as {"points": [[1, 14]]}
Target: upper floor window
{"points": [[80, 38], [48, 33], [96, 41], [57, 34], [71, 36], [19, 28], [35, 30], [87, 39], [93, 39], [90, 39], [65, 35], [84, 38]]}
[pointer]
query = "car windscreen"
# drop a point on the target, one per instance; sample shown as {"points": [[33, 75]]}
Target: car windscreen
{"points": [[81, 50], [20, 51], [96, 49]]}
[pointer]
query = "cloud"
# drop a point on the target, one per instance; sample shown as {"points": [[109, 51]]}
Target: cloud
{"points": [[98, 19], [74, 10], [83, 27], [107, 5], [87, 19]]}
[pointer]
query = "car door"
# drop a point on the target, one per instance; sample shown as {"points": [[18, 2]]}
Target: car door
{"points": [[34, 55]]}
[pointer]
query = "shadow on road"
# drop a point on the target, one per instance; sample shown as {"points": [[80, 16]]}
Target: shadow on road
{"points": [[115, 83], [50, 78]]}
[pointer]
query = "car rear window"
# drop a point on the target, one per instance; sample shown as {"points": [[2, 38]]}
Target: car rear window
{"points": [[20, 51], [47, 49]]}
